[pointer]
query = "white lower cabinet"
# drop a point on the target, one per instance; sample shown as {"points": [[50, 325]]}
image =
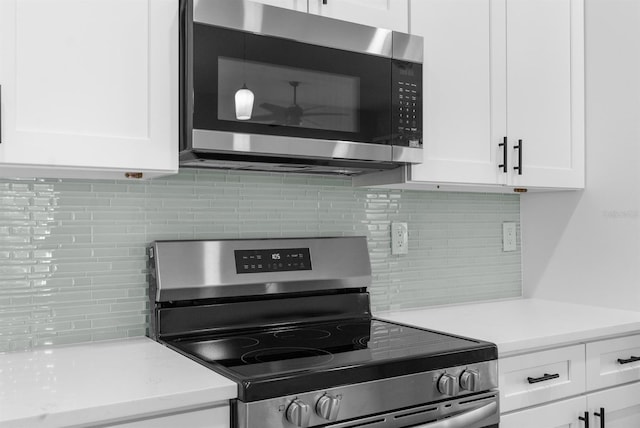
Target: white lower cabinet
{"points": [[613, 362], [620, 406], [594, 384], [538, 377], [563, 414]]}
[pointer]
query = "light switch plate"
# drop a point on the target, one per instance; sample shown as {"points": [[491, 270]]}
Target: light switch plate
{"points": [[509, 236], [399, 238]]}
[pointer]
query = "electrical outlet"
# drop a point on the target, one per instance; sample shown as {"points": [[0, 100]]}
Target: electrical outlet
{"points": [[508, 236], [399, 238]]}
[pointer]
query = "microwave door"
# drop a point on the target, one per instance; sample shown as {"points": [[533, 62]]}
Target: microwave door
{"points": [[296, 89]]}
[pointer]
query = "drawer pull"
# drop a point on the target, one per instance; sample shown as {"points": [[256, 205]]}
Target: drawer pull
{"points": [[601, 416], [585, 419], [543, 378], [629, 360]]}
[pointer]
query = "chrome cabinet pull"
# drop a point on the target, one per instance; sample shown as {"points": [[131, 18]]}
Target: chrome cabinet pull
{"points": [[543, 378], [519, 149], [601, 416], [504, 155]]}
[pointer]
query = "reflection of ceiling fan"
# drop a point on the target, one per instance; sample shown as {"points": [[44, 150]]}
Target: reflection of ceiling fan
{"points": [[292, 115]]}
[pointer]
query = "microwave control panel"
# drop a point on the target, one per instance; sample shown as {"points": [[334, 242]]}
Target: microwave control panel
{"points": [[407, 104]]}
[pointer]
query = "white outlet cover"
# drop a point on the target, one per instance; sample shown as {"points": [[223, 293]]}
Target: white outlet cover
{"points": [[509, 238], [399, 238]]}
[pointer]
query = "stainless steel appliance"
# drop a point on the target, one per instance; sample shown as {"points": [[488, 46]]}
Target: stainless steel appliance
{"points": [[266, 88], [289, 320]]}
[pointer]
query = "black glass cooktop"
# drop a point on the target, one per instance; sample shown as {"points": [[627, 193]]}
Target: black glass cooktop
{"points": [[283, 360]]}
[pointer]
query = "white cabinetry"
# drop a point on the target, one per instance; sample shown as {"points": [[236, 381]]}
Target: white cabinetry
{"points": [[572, 373], [89, 88], [497, 69], [464, 90], [526, 380], [621, 407], [300, 5], [563, 414], [391, 14]]}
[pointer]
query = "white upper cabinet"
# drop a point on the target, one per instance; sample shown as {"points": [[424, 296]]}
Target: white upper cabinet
{"points": [[497, 69], [464, 90], [300, 5], [391, 14], [545, 91], [89, 88]]}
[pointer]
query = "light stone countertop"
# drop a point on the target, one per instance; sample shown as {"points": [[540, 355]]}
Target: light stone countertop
{"points": [[522, 325], [103, 382], [111, 381]]}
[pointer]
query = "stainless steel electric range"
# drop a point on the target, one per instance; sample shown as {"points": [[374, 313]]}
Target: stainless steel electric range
{"points": [[289, 320]]}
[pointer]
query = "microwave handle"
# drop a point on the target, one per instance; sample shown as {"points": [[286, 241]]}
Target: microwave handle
{"points": [[465, 419]]}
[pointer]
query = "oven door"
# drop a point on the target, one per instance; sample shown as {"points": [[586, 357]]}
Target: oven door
{"points": [[477, 411]]}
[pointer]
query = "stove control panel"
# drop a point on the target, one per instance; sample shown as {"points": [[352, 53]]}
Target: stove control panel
{"points": [[345, 405], [452, 385], [274, 260]]}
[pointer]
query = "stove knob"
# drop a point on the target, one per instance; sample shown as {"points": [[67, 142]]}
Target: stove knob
{"points": [[448, 385], [298, 413], [327, 407], [470, 380]]}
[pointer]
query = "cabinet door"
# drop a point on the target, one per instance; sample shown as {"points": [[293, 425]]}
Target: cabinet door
{"points": [[90, 86], [465, 90], [391, 14], [545, 92], [300, 5], [621, 406], [563, 414]]}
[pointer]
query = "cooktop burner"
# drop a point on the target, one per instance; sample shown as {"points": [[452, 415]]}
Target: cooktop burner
{"points": [[320, 351]]}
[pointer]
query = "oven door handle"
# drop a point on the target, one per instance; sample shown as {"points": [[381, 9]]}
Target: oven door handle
{"points": [[465, 419]]}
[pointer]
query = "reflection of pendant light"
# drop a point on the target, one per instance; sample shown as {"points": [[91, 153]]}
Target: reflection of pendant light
{"points": [[244, 96], [244, 103]]}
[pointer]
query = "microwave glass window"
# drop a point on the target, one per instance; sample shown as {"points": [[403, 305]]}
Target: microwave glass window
{"points": [[299, 90], [289, 96]]}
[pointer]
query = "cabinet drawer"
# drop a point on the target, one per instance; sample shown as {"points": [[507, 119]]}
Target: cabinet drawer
{"points": [[611, 362], [535, 378]]}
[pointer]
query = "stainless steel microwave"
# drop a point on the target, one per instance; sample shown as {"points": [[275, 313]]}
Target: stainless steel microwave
{"points": [[267, 88]]}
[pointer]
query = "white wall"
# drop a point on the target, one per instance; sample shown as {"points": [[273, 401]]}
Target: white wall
{"points": [[585, 246]]}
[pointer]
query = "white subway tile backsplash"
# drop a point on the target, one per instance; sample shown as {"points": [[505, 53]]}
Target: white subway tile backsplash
{"points": [[73, 264]]}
